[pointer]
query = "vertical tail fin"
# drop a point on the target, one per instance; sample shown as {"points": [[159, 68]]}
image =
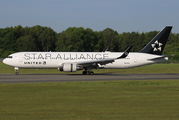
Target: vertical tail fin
{"points": [[157, 44]]}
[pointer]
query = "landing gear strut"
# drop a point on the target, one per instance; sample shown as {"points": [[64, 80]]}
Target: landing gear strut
{"points": [[88, 72], [16, 69]]}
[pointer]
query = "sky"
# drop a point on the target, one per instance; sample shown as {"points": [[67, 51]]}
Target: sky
{"points": [[119, 15]]}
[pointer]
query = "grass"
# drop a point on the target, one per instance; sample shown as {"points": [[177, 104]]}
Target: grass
{"points": [[154, 68], [149, 100], [155, 99]]}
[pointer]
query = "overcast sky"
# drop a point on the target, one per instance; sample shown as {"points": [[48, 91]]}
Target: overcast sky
{"points": [[119, 15]]}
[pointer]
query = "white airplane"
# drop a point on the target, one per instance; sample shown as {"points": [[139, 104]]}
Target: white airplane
{"points": [[73, 61]]}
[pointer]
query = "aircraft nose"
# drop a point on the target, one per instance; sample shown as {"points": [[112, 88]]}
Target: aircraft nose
{"points": [[5, 61]]}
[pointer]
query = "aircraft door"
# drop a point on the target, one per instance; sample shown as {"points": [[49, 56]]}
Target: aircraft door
{"points": [[20, 59], [135, 61]]}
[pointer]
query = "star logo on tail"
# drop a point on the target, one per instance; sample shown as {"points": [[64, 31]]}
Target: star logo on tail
{"points": [[157, 46]]}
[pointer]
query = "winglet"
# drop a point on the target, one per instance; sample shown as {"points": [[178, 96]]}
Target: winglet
{"points": [[107, 49], [125, 53]]}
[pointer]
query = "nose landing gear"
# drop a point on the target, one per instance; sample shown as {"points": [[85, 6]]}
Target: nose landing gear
{"points": [[16, 70]]}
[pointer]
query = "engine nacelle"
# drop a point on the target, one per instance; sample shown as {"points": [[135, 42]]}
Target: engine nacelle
{"points": [[69, 67]]}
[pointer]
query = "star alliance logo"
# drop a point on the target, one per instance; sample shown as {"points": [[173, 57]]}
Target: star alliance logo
{"points": [[157, 46]]}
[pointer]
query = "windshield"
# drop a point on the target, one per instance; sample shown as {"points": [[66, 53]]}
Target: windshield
{"points": [[9, 56]]}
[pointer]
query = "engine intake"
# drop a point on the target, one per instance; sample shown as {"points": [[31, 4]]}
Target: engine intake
{"points": [[69, 67]]}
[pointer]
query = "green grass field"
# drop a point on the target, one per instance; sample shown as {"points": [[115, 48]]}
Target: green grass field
{"points": [[140, 100], [126, 100], [154, 68]]}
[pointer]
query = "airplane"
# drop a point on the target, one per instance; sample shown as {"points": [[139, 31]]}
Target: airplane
{"points": [[73, 61]]}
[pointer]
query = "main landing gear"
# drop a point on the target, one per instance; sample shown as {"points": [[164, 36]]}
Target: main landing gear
{"points": [[88, 72], [16, 69]]}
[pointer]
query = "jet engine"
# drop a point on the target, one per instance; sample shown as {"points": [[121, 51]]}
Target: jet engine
{"points": [[70, 67]]}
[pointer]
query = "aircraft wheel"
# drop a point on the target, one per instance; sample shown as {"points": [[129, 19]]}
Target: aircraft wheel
{"points": [[88, 73], [91, 73], [17, 73], [84, 72]]}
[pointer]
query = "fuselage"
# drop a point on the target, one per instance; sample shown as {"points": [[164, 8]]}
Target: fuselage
{"points": [[73, 61], [40, 60]]}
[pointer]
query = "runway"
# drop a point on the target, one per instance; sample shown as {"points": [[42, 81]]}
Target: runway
{"points": [[40, 78]]}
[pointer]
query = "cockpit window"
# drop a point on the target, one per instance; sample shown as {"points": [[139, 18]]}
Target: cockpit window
{"points": [[9, 56]]}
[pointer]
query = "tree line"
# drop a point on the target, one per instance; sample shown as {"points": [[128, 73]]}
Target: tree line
{"points": [[78, 39]]}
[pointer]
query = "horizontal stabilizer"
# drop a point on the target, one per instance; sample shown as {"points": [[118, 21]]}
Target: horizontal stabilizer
{"points": [[162, 57]]}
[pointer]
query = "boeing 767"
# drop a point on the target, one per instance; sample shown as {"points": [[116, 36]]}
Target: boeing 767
{"points": [[73, 61]]}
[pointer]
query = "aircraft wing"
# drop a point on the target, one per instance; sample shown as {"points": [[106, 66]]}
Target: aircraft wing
{"points": [[104, 61]]}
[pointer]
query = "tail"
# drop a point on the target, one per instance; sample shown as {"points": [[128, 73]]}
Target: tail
{"points": [[157, 44]]}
